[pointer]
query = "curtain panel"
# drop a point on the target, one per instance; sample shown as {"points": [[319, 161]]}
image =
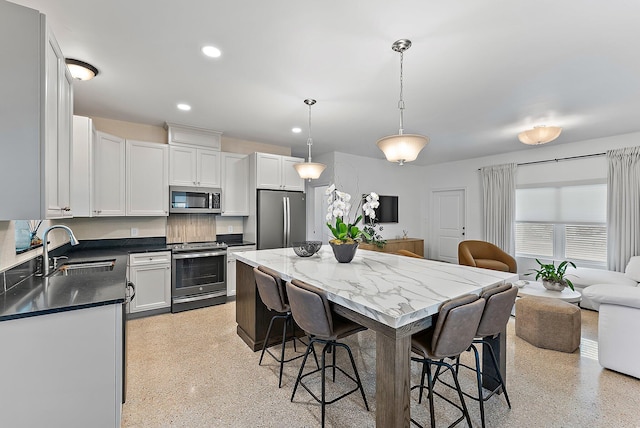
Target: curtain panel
{"points": [[499, 204], [623, 207]]}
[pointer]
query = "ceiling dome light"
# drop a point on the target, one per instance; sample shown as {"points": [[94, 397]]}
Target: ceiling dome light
{"points": [[296, 130], [184, 107], [403, 147], [81, 70], [211, 51], [539, 135], [308, 169]]}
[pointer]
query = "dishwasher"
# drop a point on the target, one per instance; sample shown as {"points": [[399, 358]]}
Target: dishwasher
{"points": [[231, 266]]}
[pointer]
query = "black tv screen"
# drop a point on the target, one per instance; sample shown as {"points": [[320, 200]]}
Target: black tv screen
{"points": [[387, 211]]}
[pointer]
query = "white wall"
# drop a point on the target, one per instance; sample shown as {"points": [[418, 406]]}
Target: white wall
{"points": [[465, 174], [357, 175]]}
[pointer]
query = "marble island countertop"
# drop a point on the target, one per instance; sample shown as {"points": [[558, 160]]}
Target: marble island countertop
{"points": [[391, 289]]}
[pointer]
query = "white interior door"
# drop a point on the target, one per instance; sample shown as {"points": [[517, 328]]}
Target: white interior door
{"points": [[319, 230], [448, 224]]}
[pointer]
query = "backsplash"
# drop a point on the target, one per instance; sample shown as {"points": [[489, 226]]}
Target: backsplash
{"points": [[190, 228]]}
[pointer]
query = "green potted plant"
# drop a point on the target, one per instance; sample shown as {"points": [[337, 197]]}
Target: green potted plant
{"points": [[553, 277]]}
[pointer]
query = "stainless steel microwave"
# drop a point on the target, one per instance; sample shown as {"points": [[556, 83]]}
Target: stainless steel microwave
{"points": [[193, 200]]}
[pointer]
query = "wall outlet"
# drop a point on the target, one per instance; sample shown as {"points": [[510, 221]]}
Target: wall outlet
{"points": [[230, 229], [134, 231]]}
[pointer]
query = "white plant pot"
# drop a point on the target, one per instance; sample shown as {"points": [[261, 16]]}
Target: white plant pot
{"points": [[553, 286]]}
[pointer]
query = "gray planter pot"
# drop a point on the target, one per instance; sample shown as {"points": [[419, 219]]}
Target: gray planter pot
{"points": [[344, 253]]}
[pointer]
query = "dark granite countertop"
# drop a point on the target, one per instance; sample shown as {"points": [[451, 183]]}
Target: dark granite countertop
{"points": [[238, 244], [36, 295]]}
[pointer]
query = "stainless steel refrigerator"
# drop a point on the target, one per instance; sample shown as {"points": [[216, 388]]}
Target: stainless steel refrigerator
{"points": [[281, 218]]}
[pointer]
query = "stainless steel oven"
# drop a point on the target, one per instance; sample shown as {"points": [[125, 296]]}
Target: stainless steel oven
{"points": [[198, 275]]}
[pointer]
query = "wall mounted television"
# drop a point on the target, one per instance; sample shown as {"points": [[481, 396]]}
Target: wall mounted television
{"points": [[387, 212]]}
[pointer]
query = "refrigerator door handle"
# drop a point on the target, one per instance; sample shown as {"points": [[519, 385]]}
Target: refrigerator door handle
{"points": [[285, 219], [288, 223]]}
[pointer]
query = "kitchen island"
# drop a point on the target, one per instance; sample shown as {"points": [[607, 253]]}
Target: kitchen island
{"points": [[393, 295]]}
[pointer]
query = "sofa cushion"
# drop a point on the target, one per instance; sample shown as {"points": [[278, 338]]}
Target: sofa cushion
{"points": [[613, 294], [632, 271], [584, 277]]}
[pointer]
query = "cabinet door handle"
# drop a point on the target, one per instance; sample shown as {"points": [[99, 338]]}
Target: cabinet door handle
{"points": [[66, 209]]}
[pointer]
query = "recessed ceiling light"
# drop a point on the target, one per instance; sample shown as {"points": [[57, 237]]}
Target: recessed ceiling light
{"points": [[296, 130], [211, 51], [184, 107]]}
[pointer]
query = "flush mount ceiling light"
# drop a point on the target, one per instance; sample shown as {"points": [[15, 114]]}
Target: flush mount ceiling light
{"points": [[403, 147], [539, 134], [211, 51], [81, 70], [308, 169]]}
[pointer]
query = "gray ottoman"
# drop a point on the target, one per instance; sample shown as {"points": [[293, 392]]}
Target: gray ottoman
{"points": [[548, 323]]}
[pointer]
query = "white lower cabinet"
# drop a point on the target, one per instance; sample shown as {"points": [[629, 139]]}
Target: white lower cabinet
{"points": [[231, 266], [64, 369], [151, 275]]}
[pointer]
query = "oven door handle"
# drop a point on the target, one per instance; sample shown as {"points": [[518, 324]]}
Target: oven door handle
{"points": [[195, 255]]}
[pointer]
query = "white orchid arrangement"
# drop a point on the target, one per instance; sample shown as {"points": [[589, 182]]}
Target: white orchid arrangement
{"points": [[339, 202]]}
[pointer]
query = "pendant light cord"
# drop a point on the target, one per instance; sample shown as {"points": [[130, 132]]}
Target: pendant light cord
{"points": [[401, 102], [309, 140]]}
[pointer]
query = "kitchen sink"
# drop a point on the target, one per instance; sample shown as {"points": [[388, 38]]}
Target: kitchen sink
{"points": [[83, 268]]}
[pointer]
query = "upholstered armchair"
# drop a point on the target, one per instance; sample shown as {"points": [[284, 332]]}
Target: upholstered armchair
{"points": [[485, 255]]}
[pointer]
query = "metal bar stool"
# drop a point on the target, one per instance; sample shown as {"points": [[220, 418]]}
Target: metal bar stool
{"points": [[452, 334], [497, 310], [312, 312], [273, 296]]}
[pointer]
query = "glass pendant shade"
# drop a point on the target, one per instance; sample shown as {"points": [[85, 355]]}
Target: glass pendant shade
{"points": [[539, 135], [309, 170], [403, 147]]}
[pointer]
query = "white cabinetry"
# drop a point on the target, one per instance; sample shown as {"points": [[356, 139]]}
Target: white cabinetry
{"points": [[231, 266], [194, 166], [117, 177], [194, 157], [151, 275], [147, 178], [276, 172], [235, 184], [109, 175], [66, 369], [36, 106], [84, 135]]}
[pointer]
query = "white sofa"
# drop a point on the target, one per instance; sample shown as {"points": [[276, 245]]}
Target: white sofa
{"points": [[587, 277], [618, 326]]}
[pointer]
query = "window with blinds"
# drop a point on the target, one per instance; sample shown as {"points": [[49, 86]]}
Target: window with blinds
{"points": [[562, 222]]}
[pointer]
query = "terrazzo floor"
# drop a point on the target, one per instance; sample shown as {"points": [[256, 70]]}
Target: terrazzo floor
{"points": [[192, 370]]}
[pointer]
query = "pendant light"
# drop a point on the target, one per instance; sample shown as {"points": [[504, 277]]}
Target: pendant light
{"points": [[308, 169], [403, 147], [539, 135]]}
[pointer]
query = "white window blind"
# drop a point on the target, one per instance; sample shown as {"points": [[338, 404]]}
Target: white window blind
{"points": [[562, 222]]}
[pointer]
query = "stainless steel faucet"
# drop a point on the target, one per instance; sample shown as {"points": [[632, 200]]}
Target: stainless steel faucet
{"points": [[46, 267]]}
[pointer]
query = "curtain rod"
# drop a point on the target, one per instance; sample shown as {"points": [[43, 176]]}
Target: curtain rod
{"points": [[559, 159]]}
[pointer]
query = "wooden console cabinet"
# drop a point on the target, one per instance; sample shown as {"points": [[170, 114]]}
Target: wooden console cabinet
{"points": [[393, 245]]}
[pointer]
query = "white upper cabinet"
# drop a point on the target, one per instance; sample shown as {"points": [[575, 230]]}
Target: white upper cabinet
{"points": [[235, 184], [194, 156], [117, 177], [109, 175], [84, 136], [36, 106], [276, 172], [147, 166], [193, 166]]}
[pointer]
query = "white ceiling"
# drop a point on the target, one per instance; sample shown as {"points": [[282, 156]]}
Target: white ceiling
{"points": [[478, 73]]}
